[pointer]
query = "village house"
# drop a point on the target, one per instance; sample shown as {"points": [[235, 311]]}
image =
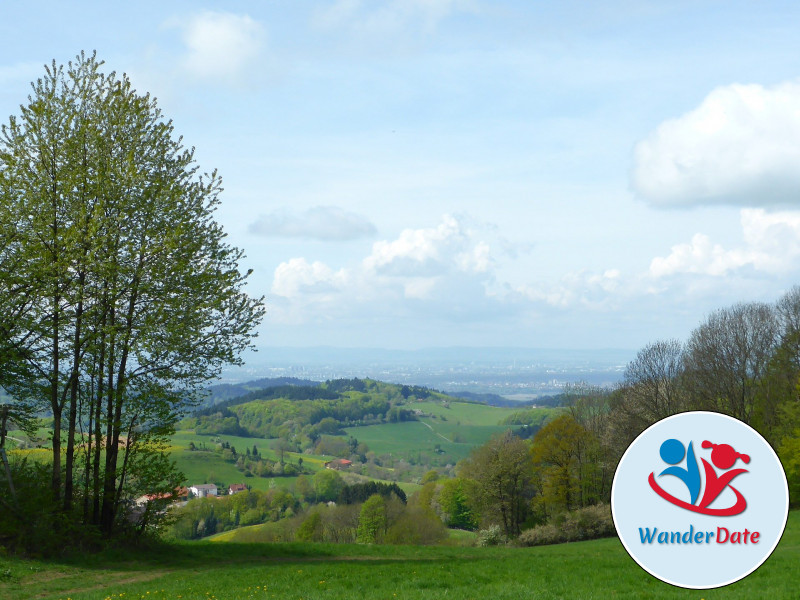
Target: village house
{"points": [[143, 500], [338, 464], [181, 495], [235, 488], [202, 490]]}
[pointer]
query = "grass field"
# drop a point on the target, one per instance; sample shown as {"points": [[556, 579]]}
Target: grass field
{"points": [[456, 430], [208, 467], [598, 569]]}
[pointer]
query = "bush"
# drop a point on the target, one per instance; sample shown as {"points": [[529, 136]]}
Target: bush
{"points": [[418, 527], [583, 524], [34, 523], [493, 536]]}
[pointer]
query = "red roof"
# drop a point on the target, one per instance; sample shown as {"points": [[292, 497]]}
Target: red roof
{"points": [[339, 462]]}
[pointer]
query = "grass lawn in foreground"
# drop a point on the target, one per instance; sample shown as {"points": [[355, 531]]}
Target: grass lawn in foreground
{"points": [[598, 569]]}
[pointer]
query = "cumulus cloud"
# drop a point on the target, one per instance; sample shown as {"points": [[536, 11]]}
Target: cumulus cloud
{"points": [[297, 277], [771, 244], [451, 246], [326, 223], [221, 45], [741, 146], [428, 265]]}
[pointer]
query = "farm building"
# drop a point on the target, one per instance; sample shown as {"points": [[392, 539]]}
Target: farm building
{"points": [[203, 490]]}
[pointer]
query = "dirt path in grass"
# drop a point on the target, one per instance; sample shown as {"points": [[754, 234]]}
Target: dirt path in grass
{"points": [[436, 432], [108, 581]]}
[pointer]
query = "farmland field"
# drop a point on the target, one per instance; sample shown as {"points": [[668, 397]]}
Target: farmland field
{"points": [[231, 571], [454, 430]]}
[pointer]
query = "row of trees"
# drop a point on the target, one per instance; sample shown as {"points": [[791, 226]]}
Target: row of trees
{"points": [[743, 361], [118, 294]]}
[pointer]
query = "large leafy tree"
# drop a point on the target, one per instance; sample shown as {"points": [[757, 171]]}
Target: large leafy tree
{"points": [[502, 472], [118, 293]]}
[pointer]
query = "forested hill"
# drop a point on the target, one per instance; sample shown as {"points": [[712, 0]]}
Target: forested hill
{"points": [[324, 408], [221, 392]]}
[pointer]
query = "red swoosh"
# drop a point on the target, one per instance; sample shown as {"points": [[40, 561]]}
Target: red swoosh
{"points": [[737, 508]]}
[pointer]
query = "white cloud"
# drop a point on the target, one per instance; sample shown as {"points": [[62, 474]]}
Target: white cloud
{"points": [[582, 288], [771, 245], [298, 277], [221, 45], [327, 223], [740, 146], [434, 266], [451, 246]]}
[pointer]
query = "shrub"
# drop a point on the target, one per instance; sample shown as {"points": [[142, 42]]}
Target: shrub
{"points": [[493, 536], [583, 524], [34, 523], [418, 527]]}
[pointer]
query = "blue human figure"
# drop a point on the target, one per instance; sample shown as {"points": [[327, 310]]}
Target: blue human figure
{"points": [[672, 452]]}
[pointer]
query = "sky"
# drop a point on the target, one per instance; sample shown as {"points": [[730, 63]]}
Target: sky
{"points": [[421, 173]]}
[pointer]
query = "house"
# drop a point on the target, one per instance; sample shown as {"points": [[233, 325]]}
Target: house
{"points": [[182, 494], [236, 488], [338, 464], [143, 500], [202, 490]]}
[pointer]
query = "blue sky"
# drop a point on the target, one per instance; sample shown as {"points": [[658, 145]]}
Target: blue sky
{"points": [[444, 172]]}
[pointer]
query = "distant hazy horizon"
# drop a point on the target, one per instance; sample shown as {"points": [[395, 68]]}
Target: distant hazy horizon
{"points": [[520, 373]]}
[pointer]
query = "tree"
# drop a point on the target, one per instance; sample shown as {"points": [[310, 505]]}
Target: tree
{"points": [[727, 358], [562, 455], [124, 294], [502, 471], [454, 502], [282, 445], [653, 381], [328, 485], [653, 388], [372, 521]]}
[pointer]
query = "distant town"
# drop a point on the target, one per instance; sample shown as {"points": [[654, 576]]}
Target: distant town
{"points": [[520, 374]]}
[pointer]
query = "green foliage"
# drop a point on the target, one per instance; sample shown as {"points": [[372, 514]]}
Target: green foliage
{"points": [[586, 523], [359, 492], [268, 418], [457, 510], [372, 520], [558, 452], [491, 536], [534, 418], [311, 529], [203, 517], [416, 526], [123, 294], [31, 520], [328, 485], [501, 470], [789, 453], [594, 569]]}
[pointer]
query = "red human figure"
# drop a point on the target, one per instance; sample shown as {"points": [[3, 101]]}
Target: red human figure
{"points": [[724, 457]]}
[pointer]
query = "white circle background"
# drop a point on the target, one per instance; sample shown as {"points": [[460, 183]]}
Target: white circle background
{"points": [[635, 505]]}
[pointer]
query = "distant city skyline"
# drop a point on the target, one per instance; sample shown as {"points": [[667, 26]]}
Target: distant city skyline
{"points": [[416, 173]]}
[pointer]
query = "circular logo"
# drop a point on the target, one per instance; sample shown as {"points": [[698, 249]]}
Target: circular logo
{"points": [[699, 500]]}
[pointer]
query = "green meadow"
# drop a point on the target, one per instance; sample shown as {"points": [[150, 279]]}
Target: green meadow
{"points": [[446, 434], [598, 569], [207, 466], [448, 431]]}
